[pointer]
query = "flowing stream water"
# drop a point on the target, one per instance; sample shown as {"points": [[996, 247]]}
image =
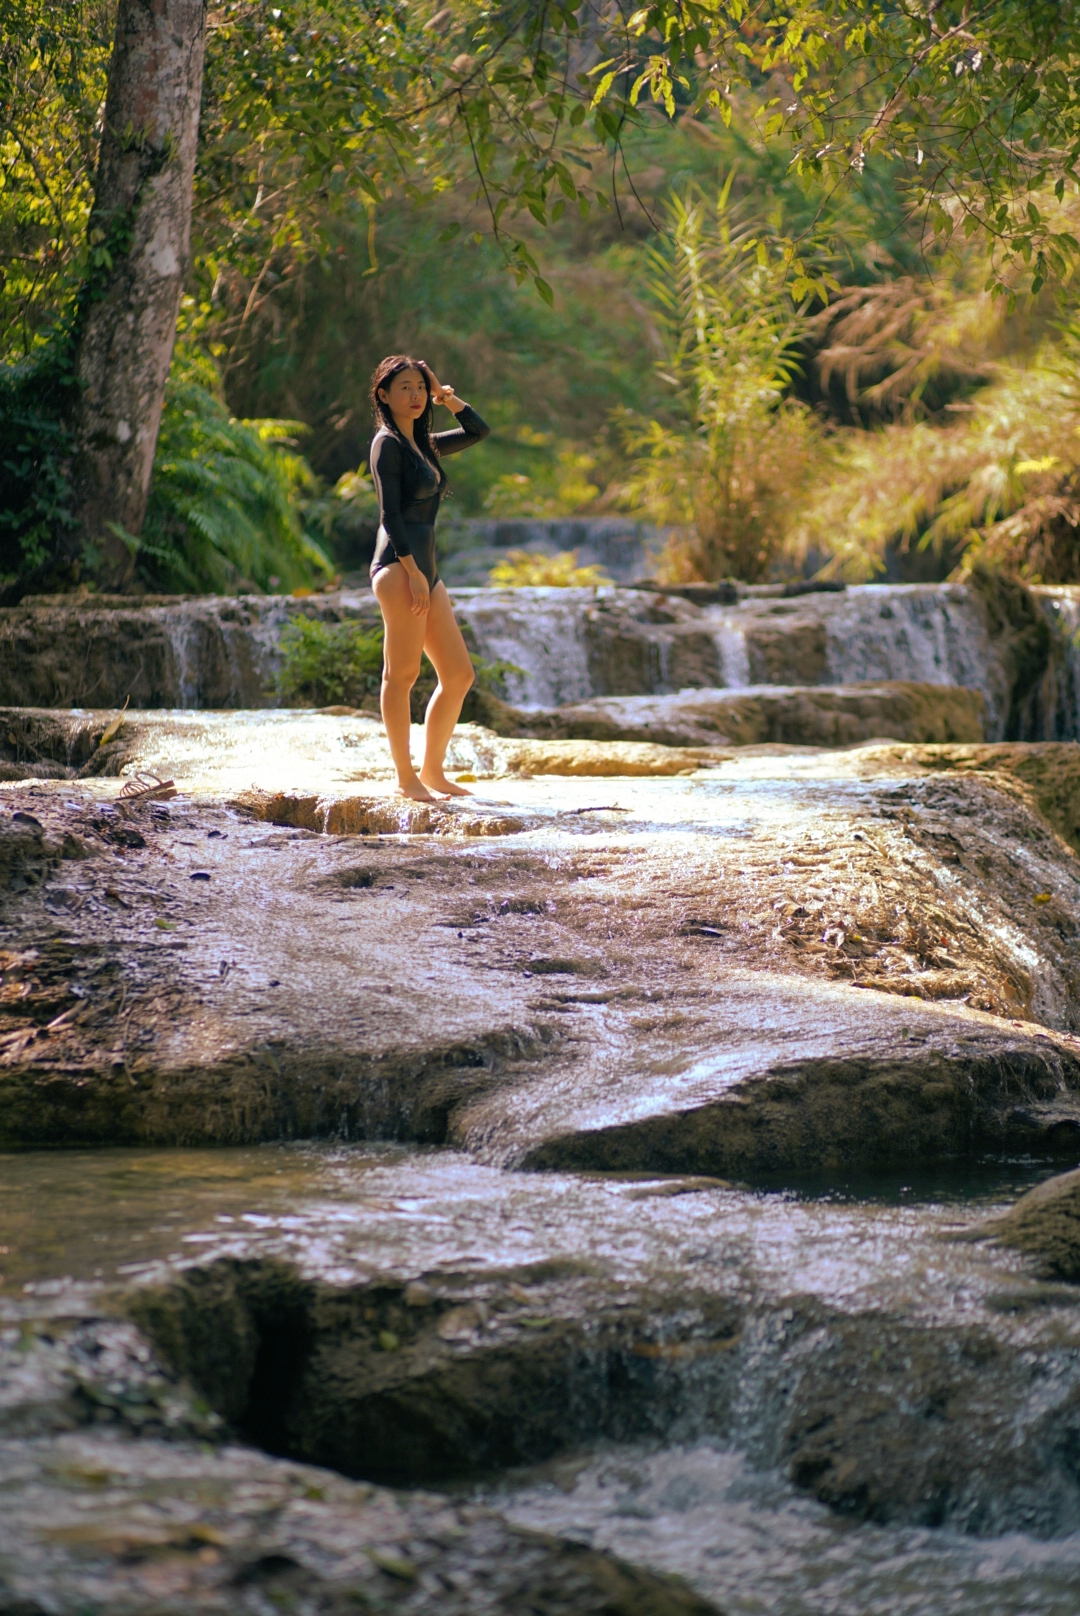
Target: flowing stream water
{"points": [[634, 929], [707, 1508]]}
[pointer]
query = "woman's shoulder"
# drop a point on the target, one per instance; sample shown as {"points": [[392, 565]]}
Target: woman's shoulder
{"points": [[385, 448]]}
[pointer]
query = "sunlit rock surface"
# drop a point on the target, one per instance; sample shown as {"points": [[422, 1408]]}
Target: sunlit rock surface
{"points": [[778, 962], [830, 715]]}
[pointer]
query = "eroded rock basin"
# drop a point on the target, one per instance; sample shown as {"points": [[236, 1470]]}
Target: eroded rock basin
{"points": [[664, 1091], [809, 1401]]}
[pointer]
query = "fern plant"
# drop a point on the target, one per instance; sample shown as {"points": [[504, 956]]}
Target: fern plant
{"points": [[226, 502]]}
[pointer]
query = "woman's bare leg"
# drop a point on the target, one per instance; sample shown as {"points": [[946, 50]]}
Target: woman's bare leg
{"points": [[403, 642], [446, 648]]}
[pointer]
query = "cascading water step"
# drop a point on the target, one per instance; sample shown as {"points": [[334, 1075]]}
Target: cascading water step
{"points": [[561, 647]]}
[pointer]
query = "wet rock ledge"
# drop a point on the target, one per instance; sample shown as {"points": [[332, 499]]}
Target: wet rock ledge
{"points": [[781, 961], [571, 646], [120, 1497]]}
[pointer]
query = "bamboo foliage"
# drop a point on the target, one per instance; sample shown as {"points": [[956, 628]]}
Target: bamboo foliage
{"points": [[1001, 483], [727, 462]]}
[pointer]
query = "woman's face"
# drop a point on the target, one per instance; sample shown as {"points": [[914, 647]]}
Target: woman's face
{"points": [[407, 395]]}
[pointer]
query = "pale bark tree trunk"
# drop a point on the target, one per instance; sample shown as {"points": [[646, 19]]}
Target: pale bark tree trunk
{"points": [[139, 234]]}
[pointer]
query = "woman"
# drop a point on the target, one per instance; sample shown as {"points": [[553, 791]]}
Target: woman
{"points": [[406, 467]]}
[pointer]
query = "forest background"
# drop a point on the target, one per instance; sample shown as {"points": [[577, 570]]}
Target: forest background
{"points": [[794, 366]]}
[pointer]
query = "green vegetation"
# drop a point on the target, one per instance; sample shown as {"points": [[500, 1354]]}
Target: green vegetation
{"points": [[340, 665], [226, 500], [521, 570], [1000, 485], [330, 664], [735, 446], [849, 361]]}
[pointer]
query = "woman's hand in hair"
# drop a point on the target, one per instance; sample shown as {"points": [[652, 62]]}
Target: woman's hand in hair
{"points": [[444, 395], [418, 584]]}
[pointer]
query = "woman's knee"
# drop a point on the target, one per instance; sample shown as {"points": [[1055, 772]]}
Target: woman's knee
{"points": [[400, 675], [459, 679]]}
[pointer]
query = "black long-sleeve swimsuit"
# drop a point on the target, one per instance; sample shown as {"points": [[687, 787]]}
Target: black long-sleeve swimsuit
{"points": [[410, 488]]}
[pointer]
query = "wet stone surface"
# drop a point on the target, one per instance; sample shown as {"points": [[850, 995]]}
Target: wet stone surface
{"points": [[678, 1126], [770, 965], [413, 1317]]}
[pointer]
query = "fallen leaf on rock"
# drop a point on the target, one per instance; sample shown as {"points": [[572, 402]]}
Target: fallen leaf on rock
{"points": [[404, 1570], [112, 728]]}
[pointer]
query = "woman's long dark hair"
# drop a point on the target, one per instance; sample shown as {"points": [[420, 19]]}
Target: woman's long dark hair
{"points": [[385, 372]]}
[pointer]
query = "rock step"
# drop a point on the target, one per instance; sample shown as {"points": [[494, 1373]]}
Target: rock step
{"points": [[414, 1319], [822, 715], [562, 647]]}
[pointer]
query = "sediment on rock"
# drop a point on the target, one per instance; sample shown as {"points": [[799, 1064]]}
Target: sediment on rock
{"points": [[1045, 775], [341, 815]]}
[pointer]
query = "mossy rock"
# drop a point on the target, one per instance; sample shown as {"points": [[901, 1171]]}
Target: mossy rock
{"points": [[1045, 1224]]}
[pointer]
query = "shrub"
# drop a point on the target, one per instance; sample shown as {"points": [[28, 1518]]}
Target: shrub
{"points": [[1000, 485], [329, 664], [562, 488], [340, 665], [226, 497], [35, 472], [524, 570], [730, 460]]}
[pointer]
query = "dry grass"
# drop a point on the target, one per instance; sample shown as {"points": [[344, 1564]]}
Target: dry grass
{"points": [[1000, 484]]}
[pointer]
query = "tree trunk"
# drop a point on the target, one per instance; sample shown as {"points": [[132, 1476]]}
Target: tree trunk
{"points": [[139, 239]]}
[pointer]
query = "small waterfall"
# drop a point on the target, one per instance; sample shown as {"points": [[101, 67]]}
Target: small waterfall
{"points": [[540, 631], [930, 633], [567, 645], [933, 633], [734, 658], [182, 634], [1058, 716]]}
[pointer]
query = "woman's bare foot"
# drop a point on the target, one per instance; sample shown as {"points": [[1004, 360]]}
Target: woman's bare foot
{"points": [[416, 789], [439, 782]]}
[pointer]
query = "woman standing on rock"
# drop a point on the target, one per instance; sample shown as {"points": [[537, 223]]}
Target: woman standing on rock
{"points": [[417, 615]]}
